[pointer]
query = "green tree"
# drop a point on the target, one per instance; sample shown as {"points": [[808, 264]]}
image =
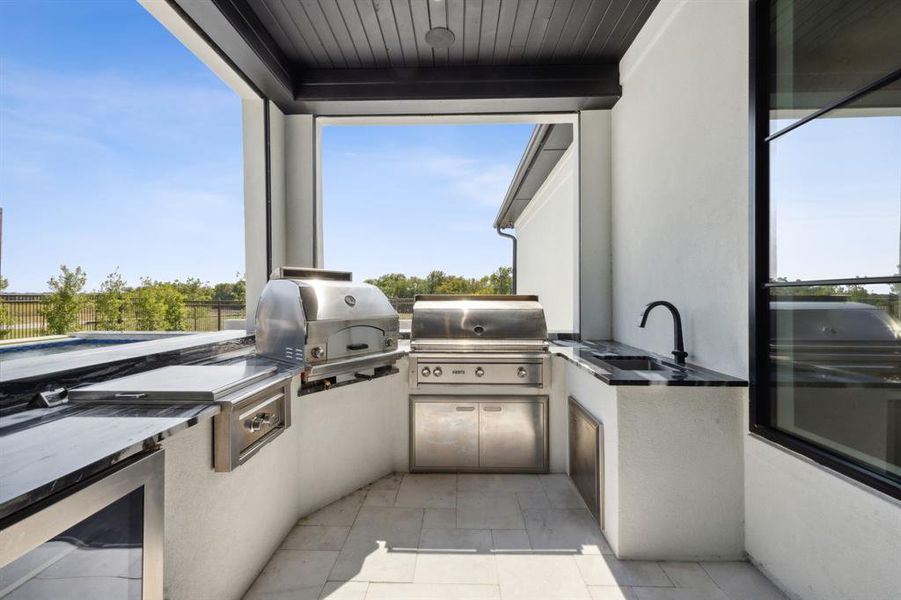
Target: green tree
{"points": [[193, 289], [60, 310], [231, 292], [5, 318], [110, 303], [501, 281], [158, 306]]}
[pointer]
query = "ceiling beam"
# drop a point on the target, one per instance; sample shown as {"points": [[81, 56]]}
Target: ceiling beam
{"points": [[599, 82], [234, 31]]}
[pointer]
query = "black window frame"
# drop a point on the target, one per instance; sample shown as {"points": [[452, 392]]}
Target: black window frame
{"points": [[759, 236]]}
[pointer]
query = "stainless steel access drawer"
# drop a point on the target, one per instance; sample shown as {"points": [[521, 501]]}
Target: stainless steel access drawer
{"points": [[479, 433]]}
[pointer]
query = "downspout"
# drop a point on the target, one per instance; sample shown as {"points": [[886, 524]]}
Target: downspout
{"points": [[512, 237]]}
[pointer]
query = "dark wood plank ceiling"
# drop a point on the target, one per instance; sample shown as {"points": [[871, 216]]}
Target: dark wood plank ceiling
{"points": [[342, 34], [372, 57]]}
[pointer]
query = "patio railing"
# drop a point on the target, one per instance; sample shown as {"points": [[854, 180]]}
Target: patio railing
{"points": [[26, 316]]}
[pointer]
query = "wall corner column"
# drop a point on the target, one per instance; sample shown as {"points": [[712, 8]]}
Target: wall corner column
{"points": [[595, 215]]}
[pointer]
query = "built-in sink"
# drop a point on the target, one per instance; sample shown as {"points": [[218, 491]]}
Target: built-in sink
{"points": [[633, 363]]}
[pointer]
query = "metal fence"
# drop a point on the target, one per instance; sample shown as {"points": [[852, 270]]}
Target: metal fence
{"points": [[25, 314], [403, 306]]}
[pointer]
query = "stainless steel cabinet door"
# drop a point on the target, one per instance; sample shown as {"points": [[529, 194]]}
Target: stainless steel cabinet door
{"points": [[445, 435], [512, 435]]}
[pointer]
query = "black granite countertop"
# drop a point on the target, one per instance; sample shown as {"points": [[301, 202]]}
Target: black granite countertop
{"points": [[22, 380], [587, 355], [43, 451]]}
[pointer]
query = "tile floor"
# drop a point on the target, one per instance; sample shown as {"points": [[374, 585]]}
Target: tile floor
{"points": [[520, 537]]}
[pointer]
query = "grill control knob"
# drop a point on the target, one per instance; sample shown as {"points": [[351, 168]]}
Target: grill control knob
{"points": [[437, 372], [317, 352], [259, 421], [426, 371], [521, 372], [479, 371]]}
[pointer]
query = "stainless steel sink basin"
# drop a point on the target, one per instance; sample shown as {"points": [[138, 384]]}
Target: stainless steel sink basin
{"points": [[632, 363]]}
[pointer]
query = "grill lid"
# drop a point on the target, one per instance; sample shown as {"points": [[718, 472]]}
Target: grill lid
{"points": [[324, 318], [480, 323]]}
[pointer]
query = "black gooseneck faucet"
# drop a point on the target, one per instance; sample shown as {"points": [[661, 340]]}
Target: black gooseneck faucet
{"points": [[679, 351]]}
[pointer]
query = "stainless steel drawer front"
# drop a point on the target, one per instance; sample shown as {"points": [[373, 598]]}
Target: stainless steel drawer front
{"points": [[479, 433], [480, 373], [511, 435], [446, 434], [260, 417], [586, 458]]}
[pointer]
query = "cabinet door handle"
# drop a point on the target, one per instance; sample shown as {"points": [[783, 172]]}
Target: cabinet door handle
{"points": [[492, 408], [466, 408]]}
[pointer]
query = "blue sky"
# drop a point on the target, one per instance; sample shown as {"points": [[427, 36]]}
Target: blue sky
{"points": [[119, 148], [414, 198]]}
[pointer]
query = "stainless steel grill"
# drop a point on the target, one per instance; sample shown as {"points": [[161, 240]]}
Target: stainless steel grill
{"points": [[326, 324], [479, 373]]}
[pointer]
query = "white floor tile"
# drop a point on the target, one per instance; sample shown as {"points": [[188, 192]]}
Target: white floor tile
{"points": [[439, 518], [742, 581], [498, 483], [391, 525], [661, 593], [339, 514], [344, 590], [607, 570], [611, 592], [294, 575], [560, 491], [533, 500], [476, 510], [316, 537], [540, 577], [427, 491], [688, 575], [427, 591], [380, 498], [510, 540], [388, 482], [569, 530], [455, 556], [374, 562]]}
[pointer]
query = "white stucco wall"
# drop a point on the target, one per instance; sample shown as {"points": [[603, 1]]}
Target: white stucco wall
{"points": [[817, 534], [547, 247], [680, 222], [222, 528], [680, 185]]}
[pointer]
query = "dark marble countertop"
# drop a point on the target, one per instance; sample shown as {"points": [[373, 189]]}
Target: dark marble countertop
{"points": [[22, 380], [43, 451], [585, 354]]}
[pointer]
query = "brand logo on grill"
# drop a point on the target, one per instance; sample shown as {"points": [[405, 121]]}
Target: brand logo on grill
{"points": [[350, 300], [459, 371]]}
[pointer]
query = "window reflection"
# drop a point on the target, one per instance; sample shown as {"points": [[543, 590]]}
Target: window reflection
{"points": [[822, 51], [835, 356]]}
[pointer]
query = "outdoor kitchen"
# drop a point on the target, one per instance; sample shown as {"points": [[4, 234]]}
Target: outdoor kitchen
{"points": [[659, 410]]}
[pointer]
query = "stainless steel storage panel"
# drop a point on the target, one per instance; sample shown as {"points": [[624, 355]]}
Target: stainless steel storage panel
{"points": [[445, 435], [512, 434], [586, 457]]}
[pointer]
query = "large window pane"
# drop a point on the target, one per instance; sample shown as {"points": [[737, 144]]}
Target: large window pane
{"points": [[835, 360], [820, 51], [835, 193]]}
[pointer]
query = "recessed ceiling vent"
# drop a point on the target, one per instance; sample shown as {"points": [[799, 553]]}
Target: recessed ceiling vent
{"points": [[440, 37]]}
